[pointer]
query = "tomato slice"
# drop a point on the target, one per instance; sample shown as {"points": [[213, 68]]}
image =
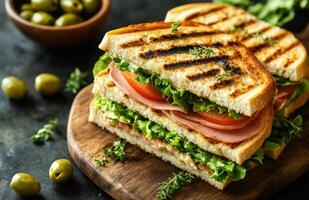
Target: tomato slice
{"points": [[146, 90], [222, 119]]}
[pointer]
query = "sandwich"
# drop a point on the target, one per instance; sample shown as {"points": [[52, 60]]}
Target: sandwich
{"points": [[278, 49], [187, 93]]}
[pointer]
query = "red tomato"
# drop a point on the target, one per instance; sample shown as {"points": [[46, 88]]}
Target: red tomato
{"points": [[146, 90], [222, 119]]}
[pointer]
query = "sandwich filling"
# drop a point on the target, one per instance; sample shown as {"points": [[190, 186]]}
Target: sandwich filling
{"points": [[220, 168], [184, 108], [288, 91]]}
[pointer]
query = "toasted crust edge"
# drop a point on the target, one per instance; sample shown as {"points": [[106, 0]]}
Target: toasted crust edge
{"points": [[97, 117], [294, 105]]}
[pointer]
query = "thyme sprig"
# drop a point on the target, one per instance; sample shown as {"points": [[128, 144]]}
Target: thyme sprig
{"points": [[169, 187], [116, 150], [76, 80], [228, 72], [201, 52], [175, 25], [46, 132]]}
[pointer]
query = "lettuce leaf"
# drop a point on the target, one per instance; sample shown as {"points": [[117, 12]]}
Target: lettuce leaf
{"points": [[179, 97], [283, 130], [283, 81], [101, 64], [222, 169]]}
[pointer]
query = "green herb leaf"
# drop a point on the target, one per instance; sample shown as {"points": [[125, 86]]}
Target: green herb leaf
{"points": [[226, 74], [101, 162], [116, 150], [201, 51], [269, 40], [283, 81], [101, 64], [46, 132], [168, 188], [76, 80], [175, 26]]}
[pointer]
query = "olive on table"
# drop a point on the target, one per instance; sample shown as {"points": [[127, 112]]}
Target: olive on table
{"points": [[25, 184], [26, 6], [26, 14], [47, 84], [71, 6], [44, 5], [14, 88], [68, 19], [91, 7], [61, 171], [42, 18]]}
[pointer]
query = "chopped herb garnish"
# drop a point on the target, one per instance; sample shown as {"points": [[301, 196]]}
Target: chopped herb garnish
{"points": [[116, 150], [201, 52], [175, 26], [269, 40], [46, 132], [227, 72], [169, 187], [76, 80], [101, 162]]}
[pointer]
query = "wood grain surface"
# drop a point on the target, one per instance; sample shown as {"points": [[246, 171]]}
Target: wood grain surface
{"points": [[141, 173]]}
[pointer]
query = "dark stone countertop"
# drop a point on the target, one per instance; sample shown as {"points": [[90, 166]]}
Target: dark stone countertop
{"points": [[21, 57]]}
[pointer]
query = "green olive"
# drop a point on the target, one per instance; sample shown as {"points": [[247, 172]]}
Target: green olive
{"points": [[42, 18], [26, 6], [91, 6], [71, 6], [26, 14], [47, 84], [68, 19], [44, 5], [14, 88], [25, 184], [61, 171]]}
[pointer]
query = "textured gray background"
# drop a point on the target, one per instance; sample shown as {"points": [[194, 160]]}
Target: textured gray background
{"points": [[21, 57]]}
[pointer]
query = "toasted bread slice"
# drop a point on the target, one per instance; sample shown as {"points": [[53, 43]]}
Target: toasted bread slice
{"points": [[278, 49], [236, 152], [156, 147], [155, 47]]}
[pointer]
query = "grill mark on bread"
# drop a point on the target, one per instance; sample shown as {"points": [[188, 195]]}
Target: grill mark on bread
{"points": [[173, 49], [251, 35], [204, 13], [223, 19], [280, 52], [241, 91], [190, 63], [222, 84], [207, 74], [263, 45], [168, 37], [244, 24], [133, 43], [288, 62]]}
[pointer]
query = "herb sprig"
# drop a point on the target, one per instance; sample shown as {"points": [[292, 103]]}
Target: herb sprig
{"points": [[76, 80], [116, 150], [101, 162], [169, 187], [175, 25], [46, 132], [201, 52], [269, 40], [227, 73]]}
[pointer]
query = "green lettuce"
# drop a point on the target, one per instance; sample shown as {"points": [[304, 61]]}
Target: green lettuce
{"points": [[283, 81], [283, 130], [222, 169], [179, 97]]}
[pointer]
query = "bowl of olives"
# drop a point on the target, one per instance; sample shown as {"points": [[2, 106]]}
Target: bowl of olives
{"points": [[59, 23]]}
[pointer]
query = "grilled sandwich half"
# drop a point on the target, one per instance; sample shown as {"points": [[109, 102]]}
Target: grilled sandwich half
{"points": [[186, 93], [280, 51], [283, 55]]}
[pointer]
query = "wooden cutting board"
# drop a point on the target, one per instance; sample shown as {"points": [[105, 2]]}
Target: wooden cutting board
{"points": [[141, 173]]}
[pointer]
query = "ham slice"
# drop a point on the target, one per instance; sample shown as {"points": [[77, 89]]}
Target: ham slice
{"points": [[227, 136], [195, 118], [117, 77]]}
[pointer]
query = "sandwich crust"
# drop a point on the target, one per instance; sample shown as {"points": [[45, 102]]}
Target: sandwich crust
{"points": [[245, 85], [278, 49], [235, 152]]}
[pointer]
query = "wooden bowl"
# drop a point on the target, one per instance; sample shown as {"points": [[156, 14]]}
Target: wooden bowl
{"points": [[59, 37]]}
